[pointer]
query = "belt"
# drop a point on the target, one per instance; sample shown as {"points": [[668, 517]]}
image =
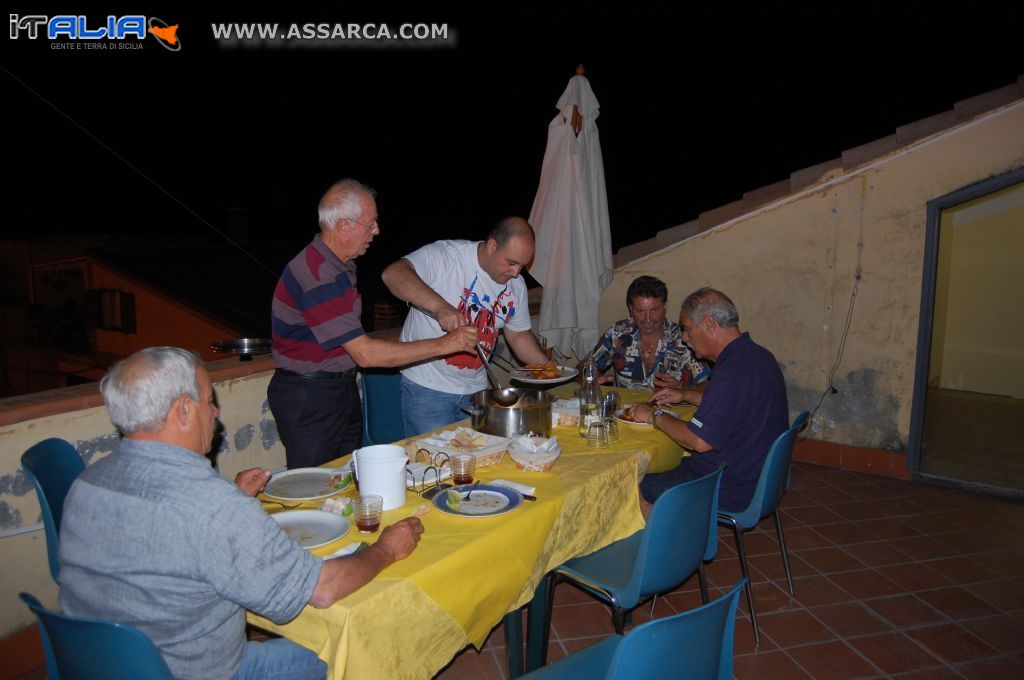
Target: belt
{"points": [[320, 375]]}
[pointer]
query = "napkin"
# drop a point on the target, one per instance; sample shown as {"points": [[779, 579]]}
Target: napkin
{"points": [[521, 488], [532, 444], [438, 439], [566, 404]]}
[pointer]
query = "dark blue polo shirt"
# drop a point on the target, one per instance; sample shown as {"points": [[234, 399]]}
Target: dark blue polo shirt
{"points": [[743, 410]]}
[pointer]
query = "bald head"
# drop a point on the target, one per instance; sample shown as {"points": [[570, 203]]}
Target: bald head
{"points": [[508, 248], [509, 228]]}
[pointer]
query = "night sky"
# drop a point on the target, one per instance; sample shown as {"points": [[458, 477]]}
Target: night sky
{"points": [[697, 107]]}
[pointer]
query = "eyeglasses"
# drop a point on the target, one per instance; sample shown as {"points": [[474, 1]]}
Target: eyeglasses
{"points": [[370, 227]]}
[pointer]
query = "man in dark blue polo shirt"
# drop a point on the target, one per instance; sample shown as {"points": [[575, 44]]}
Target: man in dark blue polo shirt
{"points": [[739, 414]]}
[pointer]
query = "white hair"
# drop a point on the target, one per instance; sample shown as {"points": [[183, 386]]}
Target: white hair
{"points": [[714, 303], [342, 202], [139, 390]]}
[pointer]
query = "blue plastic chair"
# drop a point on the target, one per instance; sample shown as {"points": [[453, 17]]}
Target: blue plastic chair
{"points": [[771, 486], [52, 465], [679, 537], [382, 408], [87, 648], [695, 644]]}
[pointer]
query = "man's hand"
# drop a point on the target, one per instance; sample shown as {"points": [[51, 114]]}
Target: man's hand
{"points": [[666, 395], [252, 481], [449, 318], [342, 577], [666, 380], [462, 339], [643, 413], [401, 538]]}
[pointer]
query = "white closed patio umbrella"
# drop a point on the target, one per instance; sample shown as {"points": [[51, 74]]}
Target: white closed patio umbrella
{"points": [[573, 259]]}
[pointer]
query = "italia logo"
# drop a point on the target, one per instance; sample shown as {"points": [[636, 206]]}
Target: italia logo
{"points": [[79, 27]]}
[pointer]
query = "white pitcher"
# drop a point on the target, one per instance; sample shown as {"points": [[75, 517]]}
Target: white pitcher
{"points": [[380, 469]]}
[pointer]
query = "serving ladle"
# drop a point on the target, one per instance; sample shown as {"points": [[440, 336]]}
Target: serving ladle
{"points": [[505, 396]]}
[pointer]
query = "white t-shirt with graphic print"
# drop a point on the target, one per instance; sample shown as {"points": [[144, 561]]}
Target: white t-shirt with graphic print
{"points": [[453, 270]]}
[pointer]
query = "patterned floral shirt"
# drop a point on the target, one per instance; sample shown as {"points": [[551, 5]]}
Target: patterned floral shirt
{"points": [[674, 357]]}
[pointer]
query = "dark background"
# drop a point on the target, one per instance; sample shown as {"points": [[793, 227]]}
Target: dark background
{"points": [[697, 106]]}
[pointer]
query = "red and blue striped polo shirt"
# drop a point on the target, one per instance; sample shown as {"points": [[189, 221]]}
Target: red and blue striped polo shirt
{"points": [[316, 310]]}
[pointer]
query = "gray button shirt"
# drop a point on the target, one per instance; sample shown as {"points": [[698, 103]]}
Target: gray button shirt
{"points": [[153, 537]]}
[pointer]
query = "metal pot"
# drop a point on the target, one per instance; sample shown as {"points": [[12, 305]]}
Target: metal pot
{"points": [[532, 413]]}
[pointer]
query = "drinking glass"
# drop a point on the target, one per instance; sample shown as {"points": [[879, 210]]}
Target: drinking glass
{"points": [[597, 435], [462, 468], [366, 511]]}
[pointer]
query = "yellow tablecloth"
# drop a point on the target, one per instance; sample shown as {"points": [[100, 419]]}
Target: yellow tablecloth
{"points": [[665, 454], [467, 573]]}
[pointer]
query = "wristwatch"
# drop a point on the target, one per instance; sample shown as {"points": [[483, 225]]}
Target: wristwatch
{"points": [[654, 417]]}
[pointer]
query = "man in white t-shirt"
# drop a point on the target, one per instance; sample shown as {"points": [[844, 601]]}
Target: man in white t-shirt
{"points": [[462, 283]]}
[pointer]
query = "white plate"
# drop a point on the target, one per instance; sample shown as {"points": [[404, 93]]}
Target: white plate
{"points": [[525, 376], [305, 484], [486, 500], [618, 416], [312, 528]]}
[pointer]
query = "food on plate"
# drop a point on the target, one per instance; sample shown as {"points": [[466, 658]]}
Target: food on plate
{"points": [[468, 440], [338, 481], [481, 502], [339, 506], [548, 371]]}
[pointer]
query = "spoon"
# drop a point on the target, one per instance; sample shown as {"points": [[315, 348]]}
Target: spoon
{"points": [[503, 395]]}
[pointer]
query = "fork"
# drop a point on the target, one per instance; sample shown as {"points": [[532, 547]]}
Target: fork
{"points": [[286, 507], [466, 497]]}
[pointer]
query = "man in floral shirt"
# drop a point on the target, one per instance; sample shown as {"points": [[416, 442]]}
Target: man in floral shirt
{"points": [[646, 351]]}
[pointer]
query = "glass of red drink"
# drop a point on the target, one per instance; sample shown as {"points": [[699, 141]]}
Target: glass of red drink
{"points": [[366, 511]]}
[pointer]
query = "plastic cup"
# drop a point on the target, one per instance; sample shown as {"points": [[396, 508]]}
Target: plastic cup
{"points": [[366, 511], [463, 466]]}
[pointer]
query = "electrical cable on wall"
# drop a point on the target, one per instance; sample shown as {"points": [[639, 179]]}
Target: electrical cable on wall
{"points": [[831, 388]]}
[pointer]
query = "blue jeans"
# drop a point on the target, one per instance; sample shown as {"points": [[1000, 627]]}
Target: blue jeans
{"points": [[424, 409], [279, 659]]}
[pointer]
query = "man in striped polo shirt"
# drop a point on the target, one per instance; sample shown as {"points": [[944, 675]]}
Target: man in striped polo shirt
{"points": [[318, 339]]}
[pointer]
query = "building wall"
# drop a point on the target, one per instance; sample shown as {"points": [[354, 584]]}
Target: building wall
{"points": [[795, 266], [160, 320]]}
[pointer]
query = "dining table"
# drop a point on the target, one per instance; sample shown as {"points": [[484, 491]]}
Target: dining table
{"points": [[469, 573]]}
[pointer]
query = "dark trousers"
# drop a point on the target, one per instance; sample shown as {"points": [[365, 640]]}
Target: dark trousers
{"points": [[318, 418], [653, 485]]}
